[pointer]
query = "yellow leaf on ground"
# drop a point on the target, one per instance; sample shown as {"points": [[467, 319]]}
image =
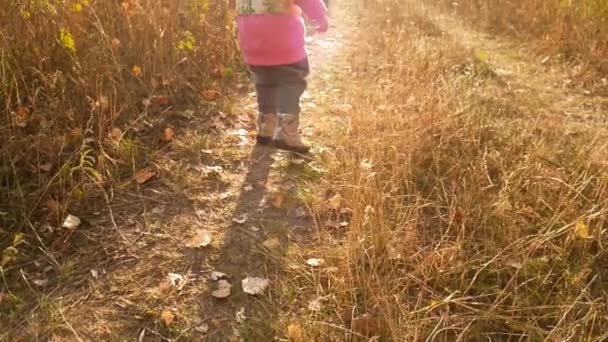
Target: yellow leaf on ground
{"points": [[582, 231], [210, 95], [136, 71], [167, 317], [276, 200]]}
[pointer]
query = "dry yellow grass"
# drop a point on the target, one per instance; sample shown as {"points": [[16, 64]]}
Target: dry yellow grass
{"points": [[475, 211], [577, 30], [455, 205]]}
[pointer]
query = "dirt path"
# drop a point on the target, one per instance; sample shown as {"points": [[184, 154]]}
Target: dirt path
{"points": [[146, 282]]}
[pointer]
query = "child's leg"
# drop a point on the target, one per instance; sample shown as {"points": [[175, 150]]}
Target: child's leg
{"points": [[292, 80], [266, 88]]}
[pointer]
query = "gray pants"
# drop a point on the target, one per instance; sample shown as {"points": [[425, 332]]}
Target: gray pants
{"points": [[279, 87]]}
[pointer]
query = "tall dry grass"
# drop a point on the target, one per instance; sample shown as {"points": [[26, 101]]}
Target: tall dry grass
{"points": [[83, 82], [470, 217], [577, 29]]}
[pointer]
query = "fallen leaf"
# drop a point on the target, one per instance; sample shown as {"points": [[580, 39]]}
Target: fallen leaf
{"points": [[298, 161], [276, 200], [103, 102], [136, 71], [240, 219], [22, 116], [202, 329], [295, 333], [215, 276], [210, 95], [160, 101], [18, 239], [71, 222], [314, 262], [272, 243], [144, 175], [254, 286], [168, 134], [240, 316], [46, 167], [224, 288], [115, 43], [582, 231], [201, 239], [41, 282], [176, 280], [115, 133], [167, 317]]}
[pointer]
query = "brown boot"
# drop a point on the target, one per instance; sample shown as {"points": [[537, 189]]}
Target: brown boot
{"points": [[267, 124], [287, 136]]}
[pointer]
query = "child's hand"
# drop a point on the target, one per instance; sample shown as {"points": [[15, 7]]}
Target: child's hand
{"points": [[323, 26]]}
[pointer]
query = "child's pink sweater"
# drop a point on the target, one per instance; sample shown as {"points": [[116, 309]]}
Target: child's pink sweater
{"points": [[278, 39]]}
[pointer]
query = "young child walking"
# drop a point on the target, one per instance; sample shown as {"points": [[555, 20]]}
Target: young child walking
{"points": [[272, 40]]}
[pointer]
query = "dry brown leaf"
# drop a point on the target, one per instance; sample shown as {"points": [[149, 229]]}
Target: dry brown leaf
{"points": [[115, 43], [168, 134], [201, 239], [210, 95], [115, 133], [167, 317], [136, 71], [21, 116], [160, 100], [276, 200], [272, 243], [224, 288], [144, 175]]}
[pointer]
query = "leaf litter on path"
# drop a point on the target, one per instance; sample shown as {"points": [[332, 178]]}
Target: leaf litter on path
{"points": [[224, 289], [241, 219], [201, 239], [254, 285], [215, 275], [176, 280], [71, 222], [272, 243]]}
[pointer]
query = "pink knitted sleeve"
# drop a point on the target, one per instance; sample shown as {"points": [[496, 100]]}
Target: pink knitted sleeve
{"points": [[313, 9]]}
